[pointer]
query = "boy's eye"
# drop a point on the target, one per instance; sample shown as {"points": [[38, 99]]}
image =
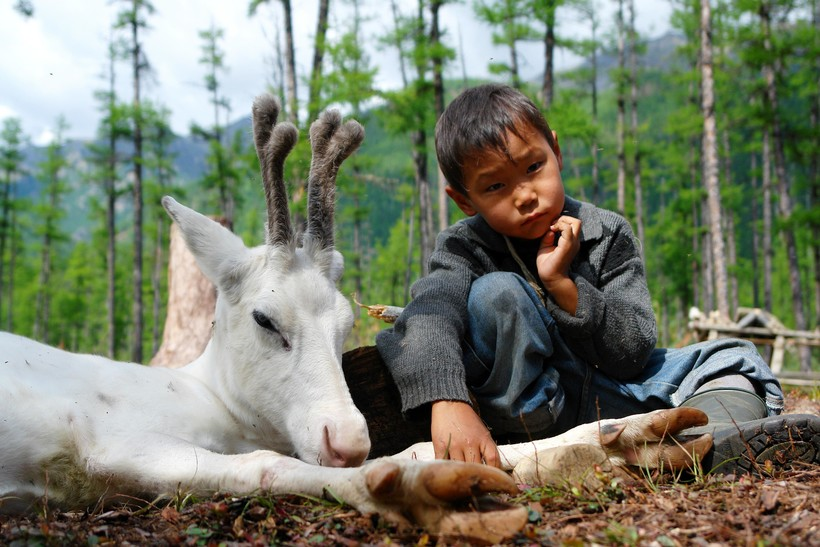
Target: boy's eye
{"points": [[494, 187], [534, 167]]}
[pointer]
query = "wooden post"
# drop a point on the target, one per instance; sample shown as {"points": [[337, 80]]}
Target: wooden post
{"points": [[778, 354]]}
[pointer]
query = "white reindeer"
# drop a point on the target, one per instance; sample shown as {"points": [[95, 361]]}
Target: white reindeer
{"points": [[266, 401]]}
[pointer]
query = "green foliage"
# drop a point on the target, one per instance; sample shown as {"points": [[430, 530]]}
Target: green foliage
{"points": [[377, 214]]}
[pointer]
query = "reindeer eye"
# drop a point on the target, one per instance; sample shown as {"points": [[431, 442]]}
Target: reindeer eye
{"points": [[264, 321]]}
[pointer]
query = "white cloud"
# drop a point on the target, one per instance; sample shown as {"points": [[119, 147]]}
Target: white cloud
{"points": [[51, 63]]}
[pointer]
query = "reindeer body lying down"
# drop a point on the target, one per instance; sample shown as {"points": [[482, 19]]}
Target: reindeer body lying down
{"points": [[266, 406]]}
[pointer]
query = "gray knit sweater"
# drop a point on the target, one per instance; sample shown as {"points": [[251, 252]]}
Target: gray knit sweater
{"points": [[613, 329]]}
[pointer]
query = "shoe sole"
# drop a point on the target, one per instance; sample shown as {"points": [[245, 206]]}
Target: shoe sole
{"points": [[761, 447]]}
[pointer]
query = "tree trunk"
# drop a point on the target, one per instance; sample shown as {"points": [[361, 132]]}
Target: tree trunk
{"points": [[319, 44], [633, 84], [814, 181], [814, 200], [41, 316], [156, 285], [419, 138], [427, 235], [621, 112], [5, 228], [697, 293], [710, 159], [358, 251], [402, 67], [515, 77], [768, 249], [598, 194], [438, 102], [548, 85], [290, 65], [44, 291], [411, 231], [756, 236], [707, 270], [12, 265], [111, 213], [191, 305], [783, 190], [138, 309], [729, 218]]}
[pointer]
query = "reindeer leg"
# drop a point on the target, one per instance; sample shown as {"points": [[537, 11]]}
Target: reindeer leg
{"points": [[445, 498], [642, 439]]}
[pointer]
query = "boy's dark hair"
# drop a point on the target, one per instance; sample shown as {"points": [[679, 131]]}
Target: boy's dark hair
{"points": [[478, 120]]}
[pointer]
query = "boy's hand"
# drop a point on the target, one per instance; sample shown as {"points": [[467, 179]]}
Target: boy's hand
{"points": [[459, 434], [558, 248]]}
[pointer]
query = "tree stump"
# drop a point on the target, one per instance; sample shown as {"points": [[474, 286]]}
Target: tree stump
{"points": [[191, 305]]}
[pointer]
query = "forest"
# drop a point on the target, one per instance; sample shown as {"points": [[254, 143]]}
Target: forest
{"points": [[705, 139]]}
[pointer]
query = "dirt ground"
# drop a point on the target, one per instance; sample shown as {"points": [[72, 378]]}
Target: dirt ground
{"points": [[633, 509]]}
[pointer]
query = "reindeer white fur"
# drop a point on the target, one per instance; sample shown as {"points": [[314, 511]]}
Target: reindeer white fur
{"points": [[267, 401]]}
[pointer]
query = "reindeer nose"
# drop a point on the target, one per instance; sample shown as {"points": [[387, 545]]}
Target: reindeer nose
{"points": [[345, 449]]}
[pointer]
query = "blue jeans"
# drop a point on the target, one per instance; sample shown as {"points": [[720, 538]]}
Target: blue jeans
{"points": [[528, 382]]}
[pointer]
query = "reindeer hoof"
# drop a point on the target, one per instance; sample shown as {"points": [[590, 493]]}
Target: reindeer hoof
{"points": [[447, 498], [452, 481], [674, 420], [481, 520]]}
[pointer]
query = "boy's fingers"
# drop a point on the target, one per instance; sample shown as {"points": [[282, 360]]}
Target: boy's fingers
{"points": [[491, 456]]}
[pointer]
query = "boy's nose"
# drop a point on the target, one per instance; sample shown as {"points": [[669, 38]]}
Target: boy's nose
{"points": [[524, 195]]}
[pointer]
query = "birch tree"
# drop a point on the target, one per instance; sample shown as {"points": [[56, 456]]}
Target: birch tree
{"points": [[410, 111], [634, 127], [589, 49], [509, 20], [292, 106], [620, 129], [220, 175], [319, 47], [11, 168], [770, 70], [544, 11], [710, 160], [133, 20], [50, 211], [104, 155], [350, 81], [160, 161]]}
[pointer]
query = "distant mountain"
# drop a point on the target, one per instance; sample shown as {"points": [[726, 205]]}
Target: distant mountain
{"points": [[190, 152], [659, 54]]}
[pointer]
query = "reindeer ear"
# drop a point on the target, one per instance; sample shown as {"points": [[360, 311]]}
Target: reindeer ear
{"points": [[216, 249]]}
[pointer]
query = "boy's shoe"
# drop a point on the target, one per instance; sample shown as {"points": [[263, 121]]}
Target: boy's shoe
{"points": [[761, 447]]}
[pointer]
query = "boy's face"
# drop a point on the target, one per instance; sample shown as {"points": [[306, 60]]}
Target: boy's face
{"points": [[519, 196]]}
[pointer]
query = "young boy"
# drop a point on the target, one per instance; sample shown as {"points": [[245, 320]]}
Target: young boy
{"points": [[536, 316]]}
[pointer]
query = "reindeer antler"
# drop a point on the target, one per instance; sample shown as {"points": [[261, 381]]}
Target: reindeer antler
{"points": [[273, 144], [331, 143]]}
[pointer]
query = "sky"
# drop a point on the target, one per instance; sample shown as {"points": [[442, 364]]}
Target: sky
{"points": [[51, 64]]}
